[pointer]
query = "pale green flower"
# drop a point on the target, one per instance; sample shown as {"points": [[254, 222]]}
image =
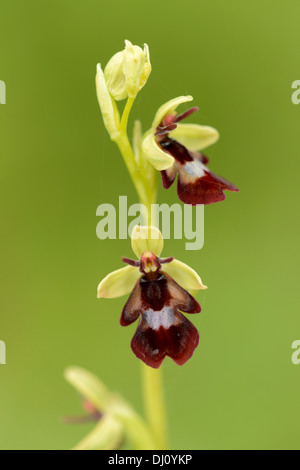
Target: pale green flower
{"points": [[115, 419]]}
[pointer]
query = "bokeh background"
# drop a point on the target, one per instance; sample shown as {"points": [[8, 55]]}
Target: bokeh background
{"points": [[238, 60]]}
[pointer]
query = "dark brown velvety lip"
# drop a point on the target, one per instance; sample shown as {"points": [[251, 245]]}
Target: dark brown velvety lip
{"points": [[163, 330], [192, 189]]}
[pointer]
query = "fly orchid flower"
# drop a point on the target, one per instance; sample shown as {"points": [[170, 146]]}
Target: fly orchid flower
{"points": [[108, 433], [173, 147], [115, 419], [159, 297]]}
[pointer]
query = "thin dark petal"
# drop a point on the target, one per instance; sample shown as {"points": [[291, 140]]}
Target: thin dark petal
{"points": [[164, 130], [166, 260], [131, 262], [186, 113], [81, 419], [133, 308]]}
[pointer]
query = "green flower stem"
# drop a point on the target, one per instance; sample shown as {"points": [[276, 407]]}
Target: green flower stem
{"points": [[154, 402], [151, 378], [139, 182], [145, 188], [125, 115]]}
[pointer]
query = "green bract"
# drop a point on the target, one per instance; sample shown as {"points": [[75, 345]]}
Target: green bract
{"points": [[109, 110]]}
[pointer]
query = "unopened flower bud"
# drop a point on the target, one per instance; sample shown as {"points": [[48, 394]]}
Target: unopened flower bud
{"points": [[127, 71]]}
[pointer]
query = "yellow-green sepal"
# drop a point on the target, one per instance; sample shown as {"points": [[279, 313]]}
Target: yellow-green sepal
{"points": [[108, 434], [169, 108], [146, 238], [184, 275], [118, 283], [89, 387], [156, 156], [194, 136], [136, 67]]}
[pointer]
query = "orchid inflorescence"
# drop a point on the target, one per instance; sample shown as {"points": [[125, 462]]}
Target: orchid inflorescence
{"points": [[161, 290]]}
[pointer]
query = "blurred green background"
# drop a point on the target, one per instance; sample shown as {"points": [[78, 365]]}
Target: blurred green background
{"points": [[238, 60]]}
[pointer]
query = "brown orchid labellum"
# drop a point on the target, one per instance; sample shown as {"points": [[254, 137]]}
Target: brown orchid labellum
{"points": [[174, 148]]}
